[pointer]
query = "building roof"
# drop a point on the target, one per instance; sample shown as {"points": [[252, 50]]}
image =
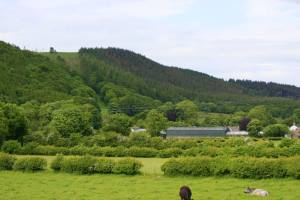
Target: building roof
{"points": [[196, 128], [196, 131], [237, 133], [294, 127]]}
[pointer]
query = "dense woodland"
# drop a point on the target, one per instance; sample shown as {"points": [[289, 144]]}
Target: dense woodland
{"points": [[58, 98]]}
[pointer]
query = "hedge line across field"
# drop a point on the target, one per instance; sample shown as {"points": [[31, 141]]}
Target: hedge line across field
{"points": [[241, 167], [8, 162], [90, 165], [79, 165], [120, 151]]}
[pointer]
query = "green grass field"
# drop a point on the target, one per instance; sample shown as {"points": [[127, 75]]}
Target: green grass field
{"points": [[150, 185], [50, 186]]}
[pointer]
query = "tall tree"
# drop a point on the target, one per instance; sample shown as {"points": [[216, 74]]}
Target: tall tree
{"points": [[155, 122]]}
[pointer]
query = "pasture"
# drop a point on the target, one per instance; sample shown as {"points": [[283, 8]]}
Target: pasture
{"points": [[151, 184]]}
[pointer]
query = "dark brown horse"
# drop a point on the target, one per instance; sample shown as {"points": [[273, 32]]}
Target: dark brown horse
{"points": [[185, 193]]}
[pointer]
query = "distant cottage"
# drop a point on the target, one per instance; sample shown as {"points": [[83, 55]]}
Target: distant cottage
{"points": [[195, 132], [295, 131]]}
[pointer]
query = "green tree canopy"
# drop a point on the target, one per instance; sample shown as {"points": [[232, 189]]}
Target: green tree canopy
{"points": [[187, 111], [276, 130], [254, 128], [119, 123], [71, 120], [262, 114], [155, 122], [14, 125]]}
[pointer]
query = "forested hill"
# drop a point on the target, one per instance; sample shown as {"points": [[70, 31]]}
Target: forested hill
{"points": [[26, 76], [268, 88], [128, 82], [195, 82], [181, 82]]}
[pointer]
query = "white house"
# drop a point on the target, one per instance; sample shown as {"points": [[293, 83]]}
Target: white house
{"points": [[293, 128]]}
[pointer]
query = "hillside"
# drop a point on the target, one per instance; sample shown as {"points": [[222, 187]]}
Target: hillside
{"points": [[27, 76], [196, 83], [129, 82]]}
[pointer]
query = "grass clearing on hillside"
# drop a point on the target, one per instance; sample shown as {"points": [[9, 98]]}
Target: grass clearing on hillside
{"points": [[49, 186]]}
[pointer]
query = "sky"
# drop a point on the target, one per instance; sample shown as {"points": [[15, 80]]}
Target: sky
{"points": [[240, 39]]}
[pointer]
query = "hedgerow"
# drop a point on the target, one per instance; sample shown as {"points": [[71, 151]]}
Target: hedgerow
{"points": [[6, 161], [30, 164], [92, 165], [146, 152], [242, 167]]}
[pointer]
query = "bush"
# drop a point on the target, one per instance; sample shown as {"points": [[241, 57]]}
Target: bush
{"points": [[51, 150], [242, 167], [286, 142], [104, 166], [6, 162], [30, 164], [79, 165], [29, 148], [171, 152], [144, 152], [114, 151], [172, 167], [11, 146], [257, 168], [56, 164], [200, 166], [127, 166], [293, 167]]}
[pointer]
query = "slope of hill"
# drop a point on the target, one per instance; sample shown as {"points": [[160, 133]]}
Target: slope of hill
{"points": [[268, 89], [124, 79], [26, 76]]}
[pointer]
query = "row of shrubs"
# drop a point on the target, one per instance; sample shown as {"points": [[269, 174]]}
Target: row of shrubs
{"points": [[8, 162], [90, 165], [143, 139], [80, 165], [120, 151], [242, 167]]}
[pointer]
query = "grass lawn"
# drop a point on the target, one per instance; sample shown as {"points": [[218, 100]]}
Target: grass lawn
{"points": [[50, 186]]}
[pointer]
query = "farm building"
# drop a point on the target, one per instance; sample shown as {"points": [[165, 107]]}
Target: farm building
{"points": [[295, 131], [195, 132], [235, 131], [137, 130]]}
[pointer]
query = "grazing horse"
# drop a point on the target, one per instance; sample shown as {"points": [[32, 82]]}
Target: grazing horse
{"points": [[185, 193], [256, 192]]}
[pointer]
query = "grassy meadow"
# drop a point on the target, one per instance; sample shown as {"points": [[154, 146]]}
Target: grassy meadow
{"points": [[50, 186], [151, 184]]}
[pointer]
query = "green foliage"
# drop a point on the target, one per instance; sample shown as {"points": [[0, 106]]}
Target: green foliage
{"points": [[26, 76], [30, 164], [242, 167], [254, 128], [155, 122], [142, 152], [261, 113], [127, 166], [258, 168], [56, 164], [276, 130], [286, 142], [104, 166], [11, 146], [170, 152], [80, 165], [187, 111], [13, 124], [6, 161], [119, 123], [70, 120]]}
